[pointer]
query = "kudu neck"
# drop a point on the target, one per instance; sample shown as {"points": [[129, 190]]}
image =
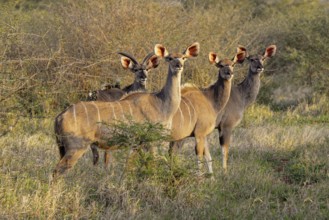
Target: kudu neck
{"points": [[170, 95], [249, 87], [134, 87], [221, 93]]}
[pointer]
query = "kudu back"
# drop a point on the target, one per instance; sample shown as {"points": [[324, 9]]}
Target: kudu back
{"points": [[88, 123]]}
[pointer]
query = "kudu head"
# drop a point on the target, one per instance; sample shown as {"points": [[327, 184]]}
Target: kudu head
{"points": [[257, 61], [226, 65], [139, 69], [176, 60]]}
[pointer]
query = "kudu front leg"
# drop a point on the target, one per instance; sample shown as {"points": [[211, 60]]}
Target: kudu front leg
{"points": [[208, 157], [225, 140], [199, 151]]}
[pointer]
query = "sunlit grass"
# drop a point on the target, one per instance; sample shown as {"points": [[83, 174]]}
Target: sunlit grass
{"points": [[275, 171]]}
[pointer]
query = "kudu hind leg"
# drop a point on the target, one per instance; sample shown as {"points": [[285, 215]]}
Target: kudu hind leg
{"points": [[95, 153], [68, 161]]}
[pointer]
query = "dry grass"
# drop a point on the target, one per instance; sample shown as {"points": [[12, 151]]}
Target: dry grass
{"points": [[275, 171], [52, 54]]}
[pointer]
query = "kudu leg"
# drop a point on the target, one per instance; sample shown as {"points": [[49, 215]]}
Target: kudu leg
{"points": [[107, 158], [173, 146], [208, 157], [199, 150], [95, 153], [225, 140], [68, 161]]}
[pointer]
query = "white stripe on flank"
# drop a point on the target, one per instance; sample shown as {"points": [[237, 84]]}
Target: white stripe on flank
{"points": [[99, 116], [123, 115], [115, 117], [191, 105], [182, 117], [75, 117], [87, 115], [189, 113], [131, 111]]}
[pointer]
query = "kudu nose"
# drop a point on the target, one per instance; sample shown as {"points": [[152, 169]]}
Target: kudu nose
{"points": [[178, 65], [260, 68]]}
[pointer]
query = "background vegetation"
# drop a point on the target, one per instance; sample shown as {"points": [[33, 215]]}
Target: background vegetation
{"points": [[54, 52]]}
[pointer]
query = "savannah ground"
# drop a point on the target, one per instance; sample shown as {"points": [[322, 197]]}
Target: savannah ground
{"points": [[52, 54]]}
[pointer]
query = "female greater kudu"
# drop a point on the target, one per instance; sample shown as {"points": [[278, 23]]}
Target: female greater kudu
{"points": [[199, 108], [242, 95], [83, 123]]}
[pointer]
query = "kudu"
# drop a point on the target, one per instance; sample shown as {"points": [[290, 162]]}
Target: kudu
{"points": [[198, 109], [114, 93], [242, 96], [197, 113], [86, 123], [139, 69]]}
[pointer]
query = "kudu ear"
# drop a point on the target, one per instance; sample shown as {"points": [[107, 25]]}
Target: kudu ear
{"points": [[270, 51], [213, 58], [127, 60], [160, 51], [242, 48], [153, 62], [239, 57], [127, 63], [193, 50]]}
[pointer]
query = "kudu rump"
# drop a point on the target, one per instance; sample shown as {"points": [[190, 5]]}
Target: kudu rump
{"points": [[198, 109], [139, 69], [113, 94], [81, 124]]}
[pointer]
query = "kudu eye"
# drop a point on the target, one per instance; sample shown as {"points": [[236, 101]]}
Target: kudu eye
{"points": [[169, 59], [220, 65]]}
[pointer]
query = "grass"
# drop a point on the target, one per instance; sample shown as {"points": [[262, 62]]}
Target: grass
{"points": [[54, 53], [276, 170]]}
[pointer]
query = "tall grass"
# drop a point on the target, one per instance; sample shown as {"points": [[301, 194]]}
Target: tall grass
{"points": [[53, 53], [275, 171]]}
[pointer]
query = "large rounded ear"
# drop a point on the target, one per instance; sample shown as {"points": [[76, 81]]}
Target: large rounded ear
{"points": [[270, 51], [127, 63], [193, 50], [127, 60], [213, 58], [153, 62], [242, 48], [160, 51], [239, 57]]}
